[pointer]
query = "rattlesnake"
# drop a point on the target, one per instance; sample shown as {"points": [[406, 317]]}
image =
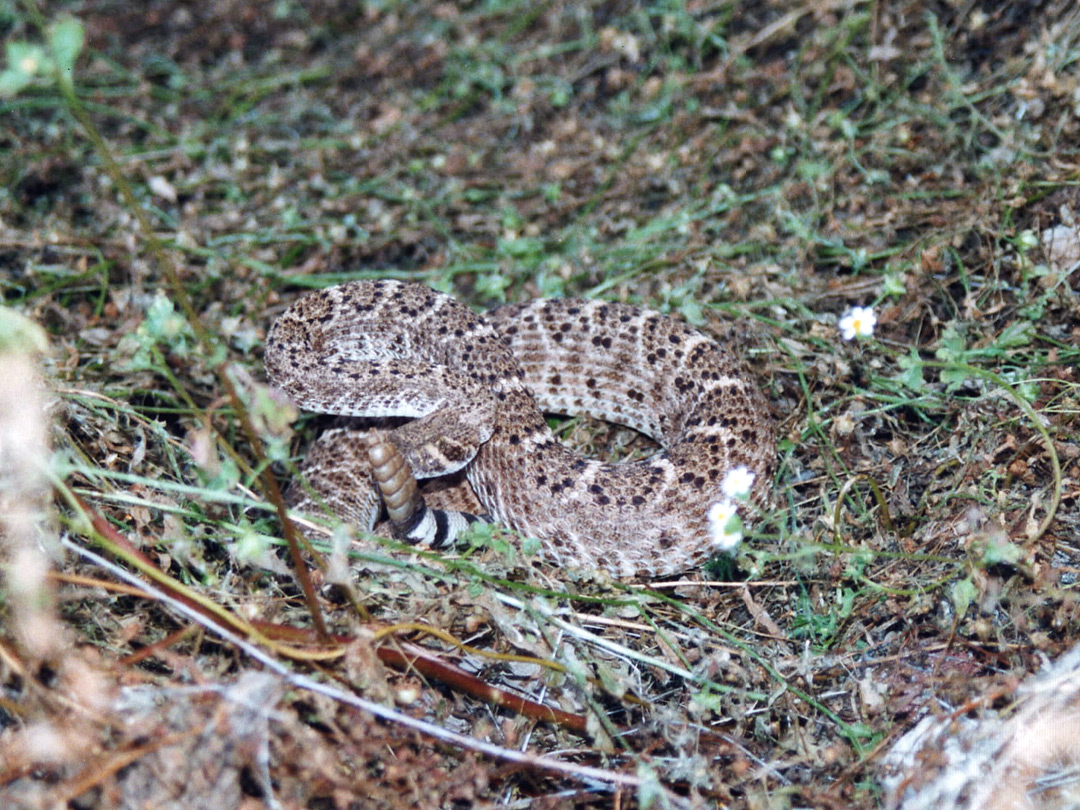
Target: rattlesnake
{"points": [[475, 388]]}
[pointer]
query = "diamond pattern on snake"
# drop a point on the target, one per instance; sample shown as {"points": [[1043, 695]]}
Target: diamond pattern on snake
{"points": [[473, 390]]}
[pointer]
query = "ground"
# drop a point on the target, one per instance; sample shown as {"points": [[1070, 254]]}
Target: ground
{"points": [[759, 169]]}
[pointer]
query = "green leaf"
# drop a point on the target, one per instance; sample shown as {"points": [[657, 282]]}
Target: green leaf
{"points": [[691, 310], [521, 247], [1028, 390], [962, 593], [1017, 333], [614, 683], [66, 42], [893, 284], [911, 376], [226, 477], [492, 285], [999, 550], [709, 700], [12, 82], [649, 788], [953, 377], [953, 347], [164, 324]]}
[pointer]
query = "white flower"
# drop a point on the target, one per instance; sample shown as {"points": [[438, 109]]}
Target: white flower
{"points": [[859, 322], [736, 484], [725, 526], [1026, 240]]}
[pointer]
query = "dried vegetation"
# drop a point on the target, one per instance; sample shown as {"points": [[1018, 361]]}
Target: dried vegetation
{"points": [[757, 168]]}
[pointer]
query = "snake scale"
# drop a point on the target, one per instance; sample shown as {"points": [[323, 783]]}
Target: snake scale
{"points": [[475, 388]]}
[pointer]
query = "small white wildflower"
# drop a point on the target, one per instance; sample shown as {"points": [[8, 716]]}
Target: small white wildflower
{"points": [[736, 484], [859, 322], [30, 63], [725, 526], [162, 188], [1026, 240]]}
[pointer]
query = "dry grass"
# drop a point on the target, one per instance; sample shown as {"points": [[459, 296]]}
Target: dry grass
{"points": [[757, 168]]}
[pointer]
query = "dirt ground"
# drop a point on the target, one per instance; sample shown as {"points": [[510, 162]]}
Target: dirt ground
{"points": [[758, 169]]}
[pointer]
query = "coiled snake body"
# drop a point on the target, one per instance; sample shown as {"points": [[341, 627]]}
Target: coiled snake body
{"points": [[476, 388]]}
